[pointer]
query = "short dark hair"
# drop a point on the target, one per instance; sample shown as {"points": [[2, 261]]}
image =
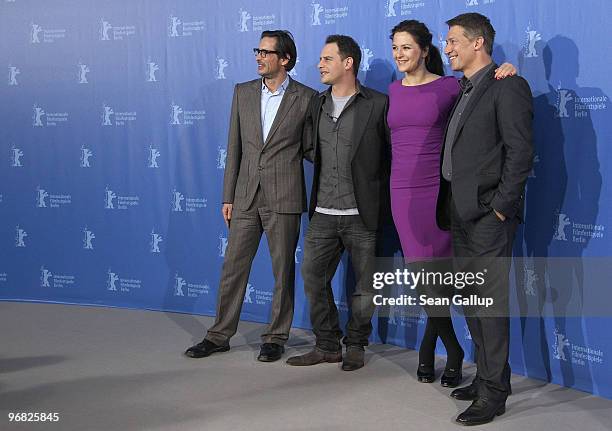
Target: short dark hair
{"points": [[423, 37], [347, 48], [475, 25], [285, 45]]}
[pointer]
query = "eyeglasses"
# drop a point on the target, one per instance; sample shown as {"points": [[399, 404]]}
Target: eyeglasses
{"points": [[264, 52]]}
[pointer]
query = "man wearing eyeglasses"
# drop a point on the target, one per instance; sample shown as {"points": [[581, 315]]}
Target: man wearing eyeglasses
{"points": [[263, 191]]}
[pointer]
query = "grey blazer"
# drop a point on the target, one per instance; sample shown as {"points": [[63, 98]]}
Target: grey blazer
{"points": [[276, 164]]}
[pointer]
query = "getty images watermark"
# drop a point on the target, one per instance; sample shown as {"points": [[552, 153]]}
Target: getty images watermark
{"points": [[520, 286], [422, 279]]}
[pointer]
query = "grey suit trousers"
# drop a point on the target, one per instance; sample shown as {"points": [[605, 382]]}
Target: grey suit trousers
{"points": [[246, 228]]}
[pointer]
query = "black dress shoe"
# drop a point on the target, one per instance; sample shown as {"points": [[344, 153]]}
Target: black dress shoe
{"points": [[270, 352], [451, 378], [481, 411], [467, 393], [205, 348], [425, 374]]}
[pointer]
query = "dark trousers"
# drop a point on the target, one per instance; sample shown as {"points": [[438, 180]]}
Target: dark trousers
{"points": [[246, 228], [485, 244], [327, 237]]}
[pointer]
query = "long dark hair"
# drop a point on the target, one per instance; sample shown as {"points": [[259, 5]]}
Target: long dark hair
{"points": [[421, 34]]}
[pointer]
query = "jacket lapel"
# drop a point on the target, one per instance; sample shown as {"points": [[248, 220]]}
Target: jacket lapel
{"points": [[476, 95], [255, 104], [289, 97], [316, 120], [362, 115]]}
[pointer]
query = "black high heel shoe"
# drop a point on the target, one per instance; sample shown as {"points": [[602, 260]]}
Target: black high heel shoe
{"points": [[425, 374], [452, 377]]}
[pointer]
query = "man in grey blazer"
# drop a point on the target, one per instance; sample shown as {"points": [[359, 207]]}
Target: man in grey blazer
{"points": [[263, 191]]}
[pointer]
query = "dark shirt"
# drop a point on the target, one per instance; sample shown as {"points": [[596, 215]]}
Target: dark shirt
{"points": [[467, 88], [335, 143]]}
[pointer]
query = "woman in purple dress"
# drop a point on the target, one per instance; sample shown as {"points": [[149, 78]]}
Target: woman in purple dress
{"points": [[419, 106]]}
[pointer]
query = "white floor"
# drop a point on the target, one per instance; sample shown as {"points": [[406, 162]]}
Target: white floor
{"points": [[112, 369]]}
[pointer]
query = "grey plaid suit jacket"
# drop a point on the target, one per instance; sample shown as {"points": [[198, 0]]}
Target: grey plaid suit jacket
{"points": [[276, 164]]}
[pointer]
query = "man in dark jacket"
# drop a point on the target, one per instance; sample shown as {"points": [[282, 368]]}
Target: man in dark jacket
{"points": [[351, 155], [486, 159]]}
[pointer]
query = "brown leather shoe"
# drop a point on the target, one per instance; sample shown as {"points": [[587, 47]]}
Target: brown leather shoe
{"points": [[315, 356], [353, 360]]}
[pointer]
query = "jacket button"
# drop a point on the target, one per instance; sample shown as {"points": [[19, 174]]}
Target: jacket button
{"points": [[260, 168]]}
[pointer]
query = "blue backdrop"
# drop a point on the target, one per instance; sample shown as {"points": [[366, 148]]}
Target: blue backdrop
{"points": [[113, 130]]}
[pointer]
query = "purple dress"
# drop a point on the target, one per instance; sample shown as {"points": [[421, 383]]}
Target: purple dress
{"points": [[417, 118]]}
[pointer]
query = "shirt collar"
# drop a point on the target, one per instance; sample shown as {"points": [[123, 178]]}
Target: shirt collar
{"points": [[358, 91], [468, 84], [279, 90]]}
